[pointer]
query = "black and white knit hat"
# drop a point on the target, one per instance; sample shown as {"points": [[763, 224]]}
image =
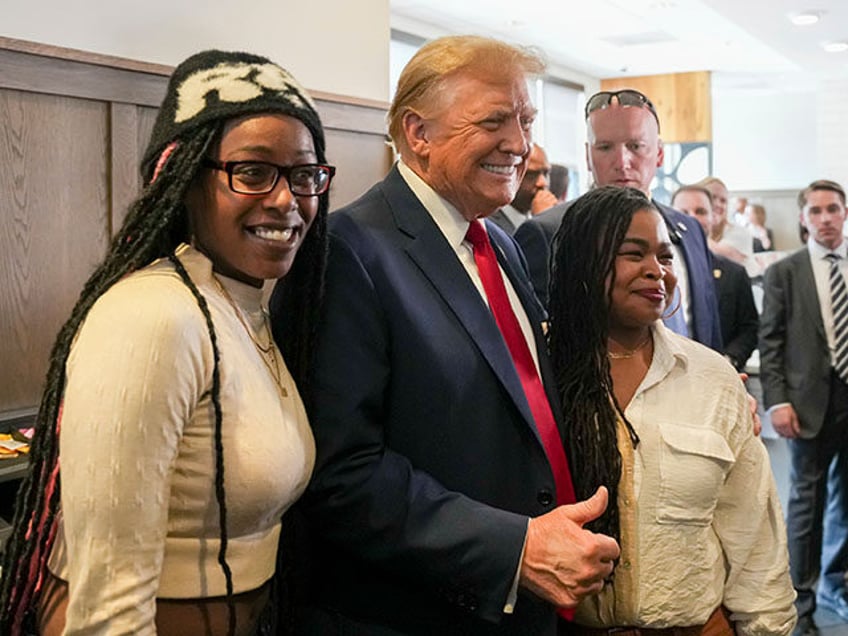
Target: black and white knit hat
{"points": [[220, 85]]}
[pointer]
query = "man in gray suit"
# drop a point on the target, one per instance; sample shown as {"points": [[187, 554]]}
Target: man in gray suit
{"points": [[802, 342]]}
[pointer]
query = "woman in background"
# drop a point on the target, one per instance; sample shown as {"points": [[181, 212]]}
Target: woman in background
{"points": [[755, 214], [183, 437], [663, 423], [728, 239]]}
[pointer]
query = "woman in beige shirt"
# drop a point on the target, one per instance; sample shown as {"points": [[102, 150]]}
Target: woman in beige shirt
{"points": [[663, 423], [183, 437]]}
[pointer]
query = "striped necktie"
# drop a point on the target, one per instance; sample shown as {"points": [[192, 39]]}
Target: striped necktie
{"points": [[839, 300]]}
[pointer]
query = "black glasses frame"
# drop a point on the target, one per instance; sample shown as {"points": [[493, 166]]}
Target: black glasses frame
{"points": [[625, 97], [230, 166]]}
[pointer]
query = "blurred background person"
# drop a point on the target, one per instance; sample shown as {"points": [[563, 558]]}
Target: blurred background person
{"points": [[736, 307], [739, 205], [803, 233], [559, 182], [727, 238], [663, 422], [755, 214], [533, 195]]}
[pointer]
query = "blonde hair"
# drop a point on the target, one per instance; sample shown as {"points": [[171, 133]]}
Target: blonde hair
{"points": [[421, 81], [706, 182]]}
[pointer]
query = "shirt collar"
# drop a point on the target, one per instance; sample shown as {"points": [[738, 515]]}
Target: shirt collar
{"points": [[667, 354], [819, 252], [448, 219]]}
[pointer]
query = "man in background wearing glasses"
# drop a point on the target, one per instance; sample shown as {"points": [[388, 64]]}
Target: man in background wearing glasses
{"points": [[624, 148], [533, 196]]}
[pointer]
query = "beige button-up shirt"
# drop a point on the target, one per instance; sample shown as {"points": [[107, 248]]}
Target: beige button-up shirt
{"points": [[701, 523]]}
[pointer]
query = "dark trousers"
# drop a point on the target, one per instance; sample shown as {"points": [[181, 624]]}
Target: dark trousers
{"points": [[817, 512], [320, 621]]}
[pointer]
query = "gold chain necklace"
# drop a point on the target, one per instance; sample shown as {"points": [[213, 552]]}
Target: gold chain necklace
{"points": [[629, 353], [265, 351]]}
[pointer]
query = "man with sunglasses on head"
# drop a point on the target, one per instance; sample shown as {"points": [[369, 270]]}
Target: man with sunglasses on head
{"points": [[624, 148], [533, 196]]}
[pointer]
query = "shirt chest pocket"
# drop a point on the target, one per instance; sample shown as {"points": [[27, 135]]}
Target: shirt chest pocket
{"points": [[694, 463]]}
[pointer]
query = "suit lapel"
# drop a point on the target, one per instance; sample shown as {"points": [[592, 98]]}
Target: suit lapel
{"points": [[437, 261], [807, 291]]}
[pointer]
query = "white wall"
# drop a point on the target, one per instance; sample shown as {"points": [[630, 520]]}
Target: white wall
{"points": [[764, 140], [334, 46], [769, 145], [831, 131]]}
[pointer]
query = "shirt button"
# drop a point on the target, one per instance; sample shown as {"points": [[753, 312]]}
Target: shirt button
{"points": [[625, 565], [545, 497]]}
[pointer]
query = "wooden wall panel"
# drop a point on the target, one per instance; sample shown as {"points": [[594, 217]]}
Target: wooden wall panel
{"points": [[124, 155], [53, 226], [683, 102], [362, 159]]}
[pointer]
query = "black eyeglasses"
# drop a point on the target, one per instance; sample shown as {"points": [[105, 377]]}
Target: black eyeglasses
{"points": [[625, 97], [261, 177]]}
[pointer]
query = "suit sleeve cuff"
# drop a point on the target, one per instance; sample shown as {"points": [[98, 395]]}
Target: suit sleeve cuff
{"points": [[512, 597]]}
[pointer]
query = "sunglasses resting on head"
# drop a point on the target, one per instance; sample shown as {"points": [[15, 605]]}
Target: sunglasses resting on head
{"points": [[625, 97]]}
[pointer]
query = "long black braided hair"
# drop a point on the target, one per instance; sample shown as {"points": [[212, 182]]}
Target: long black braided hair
{"points": [[582, 277], [156, 224]]}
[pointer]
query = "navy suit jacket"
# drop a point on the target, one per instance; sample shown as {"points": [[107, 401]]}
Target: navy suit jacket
{"points": [[428, 460], [794, 354], [737, 310], [536, 235]]}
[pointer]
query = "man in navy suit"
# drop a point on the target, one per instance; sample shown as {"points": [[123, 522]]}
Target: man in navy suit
{"points": [[433, 505], [736, 307], [624, 148], [805, 389]]}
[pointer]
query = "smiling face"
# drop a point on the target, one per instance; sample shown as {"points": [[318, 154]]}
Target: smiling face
{"points": [[253, 238], [644, 280], [472, 148], [823, 216], [623, 147]]}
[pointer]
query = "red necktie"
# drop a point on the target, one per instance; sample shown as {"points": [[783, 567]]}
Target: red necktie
{"points": [[493, 284]]}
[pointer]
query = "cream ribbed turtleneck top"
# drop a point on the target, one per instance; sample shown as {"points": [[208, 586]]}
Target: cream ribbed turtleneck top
{"points": [[137, 449]]}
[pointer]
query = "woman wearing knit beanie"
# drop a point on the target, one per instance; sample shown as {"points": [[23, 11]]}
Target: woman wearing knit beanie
{"points": [[175, 418]]}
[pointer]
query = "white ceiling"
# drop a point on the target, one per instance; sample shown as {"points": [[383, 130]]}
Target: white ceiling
{"points": [[748, 43]]}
